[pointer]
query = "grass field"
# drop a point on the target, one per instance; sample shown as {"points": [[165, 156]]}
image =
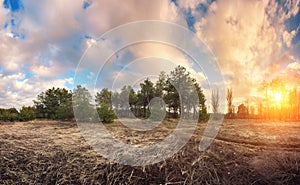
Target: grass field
{"points": [[244, 152]]}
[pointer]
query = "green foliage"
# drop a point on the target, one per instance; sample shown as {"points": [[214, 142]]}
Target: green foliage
{"points": [[157, 112], [161, 84], [203, 115], [64, 112], [106, 114], [104, 97], [178, 86], [83, 109], [55, 103], [146, 94], [10, 114], [180, 82], [167, 87], [133, 99], [27, 113], [125, 101]]}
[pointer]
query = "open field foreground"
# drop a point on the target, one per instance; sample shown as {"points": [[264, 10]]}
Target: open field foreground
{"points": [[244, 152]]}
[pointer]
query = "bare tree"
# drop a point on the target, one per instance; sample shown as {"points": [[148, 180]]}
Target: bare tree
{"points": [[229, 102], [215, 100]]}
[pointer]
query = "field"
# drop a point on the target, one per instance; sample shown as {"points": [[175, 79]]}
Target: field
{"points": [[244, 152]]}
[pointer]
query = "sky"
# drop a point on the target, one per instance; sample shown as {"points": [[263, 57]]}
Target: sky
{"points": [[42, 42]]}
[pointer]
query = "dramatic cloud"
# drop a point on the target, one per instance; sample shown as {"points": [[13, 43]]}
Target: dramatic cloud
{"points": [[41, 42], [250, 39], [44, 40], [20, 90], [294, 66]]}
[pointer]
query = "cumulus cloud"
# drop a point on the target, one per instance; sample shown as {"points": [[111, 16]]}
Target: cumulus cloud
{"points": [[21, 91], [54, 36], [104, 15], [294, 66], [287, 37], [249, 38]]}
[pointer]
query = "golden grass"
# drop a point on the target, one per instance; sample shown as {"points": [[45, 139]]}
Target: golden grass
{"points": [[244, 152]]}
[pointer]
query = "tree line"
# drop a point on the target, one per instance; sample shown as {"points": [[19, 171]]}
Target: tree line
{"points": [[171, 89], [280, 101], [26, 113]]}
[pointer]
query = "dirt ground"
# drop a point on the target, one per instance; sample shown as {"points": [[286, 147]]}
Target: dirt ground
{"points": [[244, 152]]}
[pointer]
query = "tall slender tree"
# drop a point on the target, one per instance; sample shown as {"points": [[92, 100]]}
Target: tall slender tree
{"points": [[203, 116], [229, 102], [104, 97], [82, 105], [147, 93], [160, 85]]}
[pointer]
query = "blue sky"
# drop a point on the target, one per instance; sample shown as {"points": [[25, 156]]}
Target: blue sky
{"points": [[42, 42]]}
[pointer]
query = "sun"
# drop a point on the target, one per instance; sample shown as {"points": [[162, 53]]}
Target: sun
{"points": [[277, 97]]}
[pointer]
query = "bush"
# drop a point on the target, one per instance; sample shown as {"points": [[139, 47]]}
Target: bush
{"points": [[157, 112], [10, 114], [105, 113], [203, 117], [64, 113], [27, 113]]}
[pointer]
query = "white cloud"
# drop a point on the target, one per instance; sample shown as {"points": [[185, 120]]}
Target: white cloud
{"points": [[248, 37], [46, 71], [294, 66], [21, 91], [287, 37], [104, 15], [55, 40]]}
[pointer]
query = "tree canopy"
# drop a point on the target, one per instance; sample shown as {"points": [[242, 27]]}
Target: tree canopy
{"points": [[169, 91]]}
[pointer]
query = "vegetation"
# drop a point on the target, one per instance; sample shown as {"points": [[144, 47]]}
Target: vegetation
{"points": [[172, 90], [245, 152], [280, 100], [55, 103], [27, 113], [229, 102], [12, 114], [106, 114], [83, 108]]}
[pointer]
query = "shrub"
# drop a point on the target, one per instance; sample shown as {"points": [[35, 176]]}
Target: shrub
{"points": [[27, 113], [157, 112], [106, 114], [64, 112], [10, 114]]}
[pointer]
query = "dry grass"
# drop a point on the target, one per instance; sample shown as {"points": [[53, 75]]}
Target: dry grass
{"points": [[244, 152]]}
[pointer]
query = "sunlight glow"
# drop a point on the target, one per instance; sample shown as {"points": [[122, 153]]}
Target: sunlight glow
{"points": [[277, 97]]}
